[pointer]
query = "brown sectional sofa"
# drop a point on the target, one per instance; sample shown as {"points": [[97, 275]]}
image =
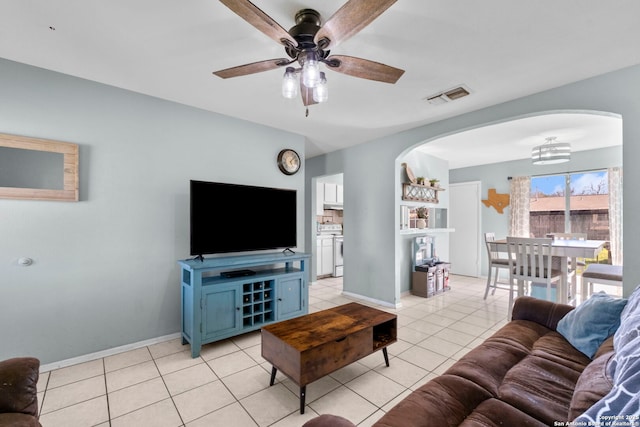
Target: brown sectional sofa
{"points": [[18, 394], [526, 374]]}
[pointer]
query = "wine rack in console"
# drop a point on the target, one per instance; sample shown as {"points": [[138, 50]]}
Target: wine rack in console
{"points": [[257, 303], [227, 296]]}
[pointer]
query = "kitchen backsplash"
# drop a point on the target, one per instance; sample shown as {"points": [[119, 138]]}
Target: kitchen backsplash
{"points": [[330, 217]]}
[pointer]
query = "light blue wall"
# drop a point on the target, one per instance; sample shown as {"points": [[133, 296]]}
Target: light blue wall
{"points": [[496, 176], [372, 261], [105, 271]]}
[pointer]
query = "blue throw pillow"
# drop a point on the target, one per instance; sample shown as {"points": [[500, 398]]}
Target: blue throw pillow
{"points": [[592, 322]]}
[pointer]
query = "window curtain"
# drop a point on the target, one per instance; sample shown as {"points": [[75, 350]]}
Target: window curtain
{"points": [[520, 189], [615, 214]]}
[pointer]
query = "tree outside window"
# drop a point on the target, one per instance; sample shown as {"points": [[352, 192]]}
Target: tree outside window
{"points": [[570, 203]]}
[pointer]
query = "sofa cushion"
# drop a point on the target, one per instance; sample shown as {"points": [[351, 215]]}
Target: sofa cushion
{"points": [[606, 347], [495, 413], [542, 384], [14, 419], [545, 313], [592, 322], [488, 363], [18, 382], [455, 399], [594, 383], [328, 420]]}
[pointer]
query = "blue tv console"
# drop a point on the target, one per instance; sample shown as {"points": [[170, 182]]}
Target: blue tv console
{"points": [[227, 296]]}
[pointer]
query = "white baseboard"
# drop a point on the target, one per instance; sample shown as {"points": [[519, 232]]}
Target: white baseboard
{"points": [[108, 352], [372, 300]]}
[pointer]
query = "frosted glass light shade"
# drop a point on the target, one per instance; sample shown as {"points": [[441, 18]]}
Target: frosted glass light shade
{"points": [[321, 91], [310, 70], [548, 154], [289, 84]]}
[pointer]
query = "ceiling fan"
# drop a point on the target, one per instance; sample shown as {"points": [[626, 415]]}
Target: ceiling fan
{"points": [[308, 43]]}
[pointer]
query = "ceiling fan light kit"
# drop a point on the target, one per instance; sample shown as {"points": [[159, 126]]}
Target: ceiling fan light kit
{"points": [[308, 43]]}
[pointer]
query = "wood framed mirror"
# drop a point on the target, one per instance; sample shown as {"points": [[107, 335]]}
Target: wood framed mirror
{"points": [[38, 169]]}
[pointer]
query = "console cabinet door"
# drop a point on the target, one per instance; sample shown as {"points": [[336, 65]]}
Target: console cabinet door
{"points": [[290, 297], [221, 313]]}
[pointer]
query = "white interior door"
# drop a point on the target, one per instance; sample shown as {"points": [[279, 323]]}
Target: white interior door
{"points": [[464, 217]]}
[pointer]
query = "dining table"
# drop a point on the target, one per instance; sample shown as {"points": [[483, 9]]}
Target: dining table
{"points": [[569, 250]]}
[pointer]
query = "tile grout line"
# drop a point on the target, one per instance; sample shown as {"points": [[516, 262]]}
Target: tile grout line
{"points": [[106, 390], [487, 311], [173, 402]]}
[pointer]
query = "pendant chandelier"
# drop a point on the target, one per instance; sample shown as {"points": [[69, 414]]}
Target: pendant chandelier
{"points": [[551, 152]]}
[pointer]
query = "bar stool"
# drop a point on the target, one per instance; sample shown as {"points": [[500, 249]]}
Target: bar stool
{"points": [[495, 264], [604, 274]]}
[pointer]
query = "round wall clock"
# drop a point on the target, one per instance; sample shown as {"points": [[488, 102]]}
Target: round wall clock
{"points": [[289, 161]]}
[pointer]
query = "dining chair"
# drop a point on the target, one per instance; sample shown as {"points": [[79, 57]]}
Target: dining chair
{"points": [[530, 260], [572, 270], [496, 262]]}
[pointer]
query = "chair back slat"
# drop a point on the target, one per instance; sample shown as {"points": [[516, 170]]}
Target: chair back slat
{"points": [[492, 247], [529, 258]]}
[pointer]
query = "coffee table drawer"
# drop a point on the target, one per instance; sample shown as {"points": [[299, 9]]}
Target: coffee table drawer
{"points": [[322, 360]]}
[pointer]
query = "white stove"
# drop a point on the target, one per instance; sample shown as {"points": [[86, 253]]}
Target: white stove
{"points": [[334, 230], [329, 229]]}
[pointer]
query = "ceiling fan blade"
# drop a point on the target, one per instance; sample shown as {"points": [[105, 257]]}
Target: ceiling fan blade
{"points": [[263, 22], [352, 17], [307, 95], [364, 68], [255, 67]]}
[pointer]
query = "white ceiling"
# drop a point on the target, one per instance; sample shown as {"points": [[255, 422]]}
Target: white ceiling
{"points": [[500, 49], [513, 140]]}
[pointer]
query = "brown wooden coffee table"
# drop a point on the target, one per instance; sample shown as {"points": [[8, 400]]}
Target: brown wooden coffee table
{"points": [[309, 347]]}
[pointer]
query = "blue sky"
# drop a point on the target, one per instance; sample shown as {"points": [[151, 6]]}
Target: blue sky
{"points": [[580, 182]]}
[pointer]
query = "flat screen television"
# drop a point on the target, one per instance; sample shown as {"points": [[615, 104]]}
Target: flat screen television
{"points": [[240, 218]]}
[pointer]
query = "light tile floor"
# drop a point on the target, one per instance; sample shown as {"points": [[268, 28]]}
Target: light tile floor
{"points": [[161, 385]]}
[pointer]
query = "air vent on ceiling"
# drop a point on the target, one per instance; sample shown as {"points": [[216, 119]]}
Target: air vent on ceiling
{"points": [[448, 95]]}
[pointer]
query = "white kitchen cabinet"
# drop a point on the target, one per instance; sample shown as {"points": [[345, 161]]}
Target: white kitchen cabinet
{"points": [[330, 192], [324, 263], [320, 198]]}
